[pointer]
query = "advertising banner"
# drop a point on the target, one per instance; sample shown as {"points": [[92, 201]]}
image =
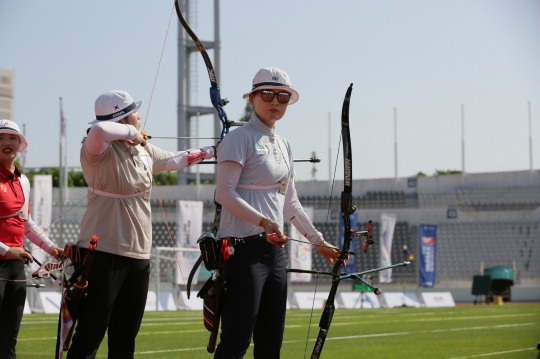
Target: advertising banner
{"points": [[427, 253], [41, 212], [300, 253], [388, 223], [189, 229]]}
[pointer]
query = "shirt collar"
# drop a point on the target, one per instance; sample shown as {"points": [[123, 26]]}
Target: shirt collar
{"points": [[8, 174], [257, 124]]}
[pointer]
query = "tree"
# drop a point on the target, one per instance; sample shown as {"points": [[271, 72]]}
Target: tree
{"points": [[314, 167], [248, 110], [165, 178], [447, 172]]}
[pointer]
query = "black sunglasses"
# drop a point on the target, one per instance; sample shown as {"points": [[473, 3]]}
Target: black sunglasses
{"points": [[283, 97]]}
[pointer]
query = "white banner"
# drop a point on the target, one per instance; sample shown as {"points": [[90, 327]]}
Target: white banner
{"points": [[438, 299], [165, 302], [188, 230], [400, 299], [300, 253], [309, 300], [356, 300], [41, 211], [51, 301], [388, 223]]}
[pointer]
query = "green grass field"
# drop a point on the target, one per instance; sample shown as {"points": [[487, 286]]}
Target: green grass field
{"points": [[508, 331]]}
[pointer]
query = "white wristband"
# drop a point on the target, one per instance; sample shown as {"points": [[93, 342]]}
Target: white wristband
{"points": [[3, 249]]}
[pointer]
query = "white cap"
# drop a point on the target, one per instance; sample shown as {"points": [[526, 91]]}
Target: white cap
{"points": [[273, 78], [114, 105], [7, 126]]}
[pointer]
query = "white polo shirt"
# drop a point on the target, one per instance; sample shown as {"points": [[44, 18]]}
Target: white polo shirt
{"points": [[267, 161]]}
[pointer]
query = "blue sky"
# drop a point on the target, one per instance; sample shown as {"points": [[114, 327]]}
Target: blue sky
{"points": [[423, 57]]}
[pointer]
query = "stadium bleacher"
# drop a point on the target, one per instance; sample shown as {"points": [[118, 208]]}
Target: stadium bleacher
{"points": [[483, 220]]}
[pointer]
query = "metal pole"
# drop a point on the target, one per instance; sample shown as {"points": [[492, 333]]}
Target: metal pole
{"points": [[462, 139], [530, 138], [60, 180], [158, 275], [23, 154], [329, 149], [198, 174], [395, 146]]}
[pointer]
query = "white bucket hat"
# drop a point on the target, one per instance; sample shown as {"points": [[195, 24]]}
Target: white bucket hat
{"points": [[7, 126], [114, 105], [272, 78]]}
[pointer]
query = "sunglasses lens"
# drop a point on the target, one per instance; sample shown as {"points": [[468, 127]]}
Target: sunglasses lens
{"points": [[267, 95], [283, 97]]}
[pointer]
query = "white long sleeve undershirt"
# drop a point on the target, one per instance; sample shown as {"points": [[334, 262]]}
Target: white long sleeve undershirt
{"points": [[102, 134], [37, 235]]}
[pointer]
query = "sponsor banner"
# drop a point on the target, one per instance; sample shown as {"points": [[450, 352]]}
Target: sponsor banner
{"points": [[360, 300], [41, 211], [300, 253], [438, 299], [388, 224], [400, 299], [50, 301], [193, 303], [42, 201], [305, 300], [27, 309], [351, 262], [188, 230], [427, 253], [165, 303]]}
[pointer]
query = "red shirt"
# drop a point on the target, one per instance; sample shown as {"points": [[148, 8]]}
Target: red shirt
{"points": [[11, 201]]}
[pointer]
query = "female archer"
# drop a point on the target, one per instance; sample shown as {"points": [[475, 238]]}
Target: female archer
{"points": [[255, 186], [118, 165], [15, 224]]}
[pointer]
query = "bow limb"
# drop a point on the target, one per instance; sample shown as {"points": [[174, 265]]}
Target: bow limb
{"points": [[215, 95], [218, 103], [346, 210]]}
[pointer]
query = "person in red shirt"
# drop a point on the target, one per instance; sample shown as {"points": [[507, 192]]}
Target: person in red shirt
{"points": [[15, 224]]}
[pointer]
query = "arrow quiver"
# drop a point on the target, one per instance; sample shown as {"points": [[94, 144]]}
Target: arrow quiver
{"points": [[77, 265], [212, 255]]}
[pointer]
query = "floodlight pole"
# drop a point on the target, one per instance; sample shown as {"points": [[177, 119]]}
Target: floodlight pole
{"points": [[462, 139], [395, 146], [530, 137]]}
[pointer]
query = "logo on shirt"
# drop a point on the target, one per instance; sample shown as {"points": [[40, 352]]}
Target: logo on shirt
{"points": [[261, 148], [3, 187]]}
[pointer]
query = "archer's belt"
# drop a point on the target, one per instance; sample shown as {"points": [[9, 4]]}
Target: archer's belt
{"points": [[232, 241]]}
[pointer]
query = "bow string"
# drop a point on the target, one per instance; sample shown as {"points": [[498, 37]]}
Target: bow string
{"points": [[347, 209]]}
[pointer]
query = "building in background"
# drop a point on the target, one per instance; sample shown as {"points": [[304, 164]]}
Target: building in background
{"points": [[7, 91]]}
